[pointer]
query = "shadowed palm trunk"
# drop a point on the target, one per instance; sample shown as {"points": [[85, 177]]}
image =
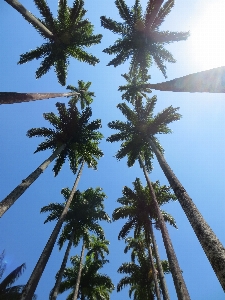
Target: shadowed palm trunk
{"points": [[157, 291], [179, 283], [6, 203], [32, 283], [211, 245], [159, 265], [13, 97], [30, 18], [55, 290], [79, 273]]}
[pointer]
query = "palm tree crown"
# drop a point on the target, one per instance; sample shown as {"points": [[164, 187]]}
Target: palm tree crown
{"points": [[71, 34], [72, 129], [138, 207], [141, 40], [139, 127], [85, 211]]}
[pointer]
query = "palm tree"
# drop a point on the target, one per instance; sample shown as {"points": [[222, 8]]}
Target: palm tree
{"points": [[85, 210], [8, 291], [138, 245], [66, 36], [141, 275], [72, 137], [141, 38], [138, 134], [139, 208], [79, 93], [93, 285]]}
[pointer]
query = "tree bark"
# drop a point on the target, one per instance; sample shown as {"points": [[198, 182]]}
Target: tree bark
{"points": [[55, 290], [159, 265], [211, 245], [179, 283], [157, 291], [30, 18], [6, 203], [32, 283], [79, 273], [13, 97]]}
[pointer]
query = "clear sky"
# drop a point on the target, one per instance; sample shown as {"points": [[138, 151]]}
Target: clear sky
{"points": [[195, 150]]}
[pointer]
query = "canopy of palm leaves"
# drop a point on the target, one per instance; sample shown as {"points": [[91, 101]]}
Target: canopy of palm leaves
{"points": [[137, 206], [139, 127], [93, 285], [136, 86], [85, 97], [140, 39], [140, 277], [85, 211], [73, 129], [71, 34], [8, 291]]}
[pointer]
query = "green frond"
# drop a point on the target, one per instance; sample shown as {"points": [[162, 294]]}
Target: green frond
{"points": [[42, 51], [124, 11], [77, 11], [46, 14], [61, 66], [12, 277], [114, 26], [60, 161], [163, 13], [45, 66], [83, 56]]}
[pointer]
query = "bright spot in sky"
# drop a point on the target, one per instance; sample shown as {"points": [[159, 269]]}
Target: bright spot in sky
{"points": [[207, 35]]}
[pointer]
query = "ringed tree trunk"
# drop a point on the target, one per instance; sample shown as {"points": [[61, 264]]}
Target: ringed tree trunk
{"points": [[157, 291], [32, 283], [79, 272], [211, 245], [13, 97], [159, 265], [30, 18], [179, 283], [6, 203], [54, 293]]}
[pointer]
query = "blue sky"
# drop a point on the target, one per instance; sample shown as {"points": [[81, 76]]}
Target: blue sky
{"points": [[195, 150]]}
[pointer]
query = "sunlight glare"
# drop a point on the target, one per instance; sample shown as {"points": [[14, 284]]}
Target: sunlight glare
{"points": [[207, 46]]}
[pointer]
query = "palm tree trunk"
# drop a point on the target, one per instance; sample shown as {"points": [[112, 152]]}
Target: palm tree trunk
{"points": [[6, 203], [32, 283], [159, 265], [179, 283], [13, 97], [54, 293], [79, 272], [157, 291], [211, 245], [30, 18]]}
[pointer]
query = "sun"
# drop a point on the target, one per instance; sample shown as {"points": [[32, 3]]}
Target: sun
{"points": [[207, 35]]}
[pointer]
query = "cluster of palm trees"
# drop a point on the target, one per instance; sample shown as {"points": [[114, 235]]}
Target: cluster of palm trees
{"points": [[74, 137]]}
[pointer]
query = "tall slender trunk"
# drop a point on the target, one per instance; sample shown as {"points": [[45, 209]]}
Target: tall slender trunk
{"points": [[79, 273], [13, 97], [54, 293], [157, 291], [32, 283], [180, 286], [30, 18], [211, 245], [6, 203], [159, 265]]}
